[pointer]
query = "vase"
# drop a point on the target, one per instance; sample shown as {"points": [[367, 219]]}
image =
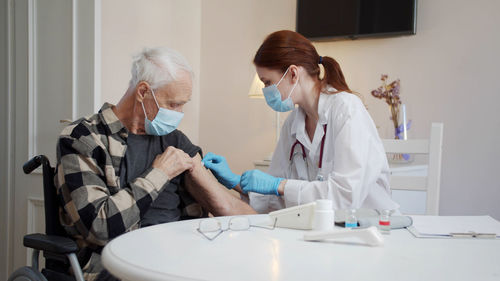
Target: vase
{"points": [[401, 132]]}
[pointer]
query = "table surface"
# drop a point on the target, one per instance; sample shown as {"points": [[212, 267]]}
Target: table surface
{"points": [[176, 251]]}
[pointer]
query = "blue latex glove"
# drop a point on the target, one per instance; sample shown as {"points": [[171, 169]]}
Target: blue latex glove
{"points": [[218, 165], [260, 182]]}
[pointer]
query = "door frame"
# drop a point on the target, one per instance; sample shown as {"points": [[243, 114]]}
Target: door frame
{"points": [[5, 142], [86, 78]]}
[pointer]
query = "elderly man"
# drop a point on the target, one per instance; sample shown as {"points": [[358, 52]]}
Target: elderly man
{"points": [[128, 167]]}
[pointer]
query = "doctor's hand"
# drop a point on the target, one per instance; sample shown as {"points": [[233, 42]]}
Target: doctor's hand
{"points": [[259, 182], [218, 165]]}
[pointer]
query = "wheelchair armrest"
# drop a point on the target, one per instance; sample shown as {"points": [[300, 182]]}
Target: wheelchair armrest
{"points": [[50, 243]]}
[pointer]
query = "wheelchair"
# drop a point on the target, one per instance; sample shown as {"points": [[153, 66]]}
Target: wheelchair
{"points": [[59, 250]]}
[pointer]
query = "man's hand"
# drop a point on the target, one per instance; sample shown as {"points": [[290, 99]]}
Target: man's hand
{"points": [[173, 162]]}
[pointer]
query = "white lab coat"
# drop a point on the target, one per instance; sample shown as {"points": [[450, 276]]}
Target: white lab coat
{"points": [[355, 169]]}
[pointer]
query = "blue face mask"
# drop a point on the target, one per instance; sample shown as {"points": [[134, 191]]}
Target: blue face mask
{"points": [[273, 96], [165, 122]]}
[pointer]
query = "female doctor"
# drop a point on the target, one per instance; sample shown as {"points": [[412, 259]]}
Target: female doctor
{"points": [[329, 147]]}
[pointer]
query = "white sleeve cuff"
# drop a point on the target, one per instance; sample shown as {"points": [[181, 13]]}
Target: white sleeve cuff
{"points": [[292, 192]]}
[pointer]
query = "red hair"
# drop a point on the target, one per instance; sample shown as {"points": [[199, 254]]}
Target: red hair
{"points": [[283, 48]]}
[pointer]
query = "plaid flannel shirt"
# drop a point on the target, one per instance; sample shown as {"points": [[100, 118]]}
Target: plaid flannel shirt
{"points": [[96, 208]]}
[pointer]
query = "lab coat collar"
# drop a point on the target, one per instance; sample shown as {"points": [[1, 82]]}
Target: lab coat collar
{"points": [[323, 108], [298, 124], [299, 127]]}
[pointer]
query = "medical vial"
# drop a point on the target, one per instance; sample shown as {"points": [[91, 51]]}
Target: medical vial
{"points": [[324, 216], [384, 223], [351, 221]]}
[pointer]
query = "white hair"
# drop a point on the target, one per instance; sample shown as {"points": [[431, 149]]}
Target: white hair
{"points": [[158, 66]]}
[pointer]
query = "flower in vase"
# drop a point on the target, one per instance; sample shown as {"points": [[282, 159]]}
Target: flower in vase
{"points": [[390, 93]]}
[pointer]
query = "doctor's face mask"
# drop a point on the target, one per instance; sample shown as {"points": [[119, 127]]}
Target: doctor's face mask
{"points": [[273, 96], [165, 122]]}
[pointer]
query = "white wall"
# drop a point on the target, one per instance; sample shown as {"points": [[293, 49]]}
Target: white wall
{"points": [[448, 73], [130, 25], [231, 124]]}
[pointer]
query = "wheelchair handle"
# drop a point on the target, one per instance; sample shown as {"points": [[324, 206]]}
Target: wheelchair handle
{"points": [[34, 163]]}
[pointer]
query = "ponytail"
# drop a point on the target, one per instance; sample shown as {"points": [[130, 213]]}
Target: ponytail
{"points": [[284, 48], [333, 75]]}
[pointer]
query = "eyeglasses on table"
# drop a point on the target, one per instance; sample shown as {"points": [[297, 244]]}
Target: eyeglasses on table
{"points": [[211, 225], [472, 234]]}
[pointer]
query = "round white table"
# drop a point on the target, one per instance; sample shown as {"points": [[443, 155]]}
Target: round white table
{"points": [[177, 251]]}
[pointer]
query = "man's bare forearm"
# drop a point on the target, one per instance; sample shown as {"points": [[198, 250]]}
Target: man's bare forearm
{"points": [[213, 196]]}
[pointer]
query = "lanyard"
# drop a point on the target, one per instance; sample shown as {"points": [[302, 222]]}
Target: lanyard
{"points": [[297, 142]]}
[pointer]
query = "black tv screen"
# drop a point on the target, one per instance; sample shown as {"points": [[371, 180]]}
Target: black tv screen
{"points": [[337, 19]]}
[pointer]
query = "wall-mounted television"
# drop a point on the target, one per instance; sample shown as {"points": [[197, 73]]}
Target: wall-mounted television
{"points": [[341, 19]]}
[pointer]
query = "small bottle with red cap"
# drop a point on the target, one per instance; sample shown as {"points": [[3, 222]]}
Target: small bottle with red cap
{"points": [[384, 223]]}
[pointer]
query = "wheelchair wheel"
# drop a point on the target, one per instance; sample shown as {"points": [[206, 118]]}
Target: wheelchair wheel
{"points": [[26, 273]]}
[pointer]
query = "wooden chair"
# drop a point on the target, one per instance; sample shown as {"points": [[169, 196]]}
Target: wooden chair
{"points": [[430, 183]]}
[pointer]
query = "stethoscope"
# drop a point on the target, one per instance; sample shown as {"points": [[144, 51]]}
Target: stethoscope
{"points": [[319, 177]]}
